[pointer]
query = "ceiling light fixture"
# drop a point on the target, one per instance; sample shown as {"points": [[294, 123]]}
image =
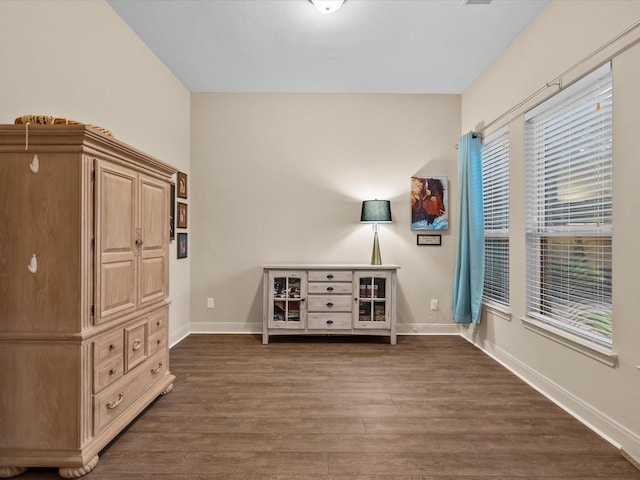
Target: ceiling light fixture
{"points": [[327, 6]]}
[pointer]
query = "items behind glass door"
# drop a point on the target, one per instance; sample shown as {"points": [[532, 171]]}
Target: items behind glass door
{"points": [[368, 310], [286, 288]]}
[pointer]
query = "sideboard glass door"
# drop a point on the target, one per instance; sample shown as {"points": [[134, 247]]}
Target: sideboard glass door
{"points": [[371, 296], [287, 304]]}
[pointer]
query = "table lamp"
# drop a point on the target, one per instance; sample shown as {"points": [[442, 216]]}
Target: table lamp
{"points": [[375, 212]]}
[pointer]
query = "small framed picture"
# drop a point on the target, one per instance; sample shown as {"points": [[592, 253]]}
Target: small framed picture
{"points": [[182, 185], [172, 213], [183, 246], [430, 240], [182, 215]]}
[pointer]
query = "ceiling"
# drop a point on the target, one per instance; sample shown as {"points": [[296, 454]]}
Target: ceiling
{"points": [[287, 46]]}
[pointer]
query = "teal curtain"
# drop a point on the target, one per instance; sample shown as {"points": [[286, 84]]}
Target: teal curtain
{"points": [[469, 274]]}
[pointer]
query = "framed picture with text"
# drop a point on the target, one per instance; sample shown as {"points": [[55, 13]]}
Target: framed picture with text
{"points": [[429, 240]]}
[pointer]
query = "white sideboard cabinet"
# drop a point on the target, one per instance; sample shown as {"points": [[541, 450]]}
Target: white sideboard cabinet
{"points": [[325, 299]]}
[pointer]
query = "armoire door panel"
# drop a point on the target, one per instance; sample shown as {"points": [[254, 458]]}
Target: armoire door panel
{"points": [[116, 251], [46, 204], [152, 285], [154, 215], [117, 214], [154, 221], [120, 295]]}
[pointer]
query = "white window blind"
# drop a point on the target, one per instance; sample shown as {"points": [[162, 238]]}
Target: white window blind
{"points": [[495, 184], [569, 196]]}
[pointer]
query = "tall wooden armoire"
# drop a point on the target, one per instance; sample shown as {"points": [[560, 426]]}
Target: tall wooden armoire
{"points": [[84, 278]]}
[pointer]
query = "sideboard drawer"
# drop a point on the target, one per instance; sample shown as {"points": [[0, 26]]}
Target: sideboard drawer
{"points": [[330, 303], [330, 288], [332, 321], [330, 276]]}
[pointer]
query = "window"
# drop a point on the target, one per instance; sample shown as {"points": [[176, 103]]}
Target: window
{"points": [[569, 198], [495, 185]]}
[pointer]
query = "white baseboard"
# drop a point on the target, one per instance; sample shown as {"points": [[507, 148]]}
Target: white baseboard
{"points": [[427, 329], [608, 428], [179, 335], [255, 328]]}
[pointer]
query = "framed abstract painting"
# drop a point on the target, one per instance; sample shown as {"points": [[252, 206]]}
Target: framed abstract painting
{"points": [[429, 203]]}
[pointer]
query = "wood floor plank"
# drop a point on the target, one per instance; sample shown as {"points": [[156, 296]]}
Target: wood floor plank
{"points": [[350, 408]]}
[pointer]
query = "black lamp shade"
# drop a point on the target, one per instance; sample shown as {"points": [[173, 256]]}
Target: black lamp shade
{"points": [[376, 211]]}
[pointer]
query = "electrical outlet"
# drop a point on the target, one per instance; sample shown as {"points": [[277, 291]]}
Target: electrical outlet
{"points": [[434, 304], [210, 302]]}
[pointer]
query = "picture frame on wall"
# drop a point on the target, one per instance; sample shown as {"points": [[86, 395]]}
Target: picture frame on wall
{"points": [[429, 240], [429, 203], [182, 185], [182, 215], [172, 213], [183, 245]]}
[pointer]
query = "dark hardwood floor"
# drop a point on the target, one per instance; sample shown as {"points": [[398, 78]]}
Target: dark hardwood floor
{"points": [[350, 408]]}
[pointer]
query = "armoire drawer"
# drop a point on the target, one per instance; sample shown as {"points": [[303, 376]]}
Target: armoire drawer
{"points": [[157, 342], [114, 400], [108, 347], [107, 373], [136, 344], [158, 321]]}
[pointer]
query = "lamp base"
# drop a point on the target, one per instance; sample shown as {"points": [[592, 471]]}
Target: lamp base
{"points": [[375, 255]]}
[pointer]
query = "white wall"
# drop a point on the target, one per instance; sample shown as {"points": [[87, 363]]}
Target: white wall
{"points": [[281, 178], [606, 398], [79, 60]]}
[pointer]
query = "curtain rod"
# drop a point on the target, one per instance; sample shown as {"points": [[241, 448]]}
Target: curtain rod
{"points": [[557, 81]]}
